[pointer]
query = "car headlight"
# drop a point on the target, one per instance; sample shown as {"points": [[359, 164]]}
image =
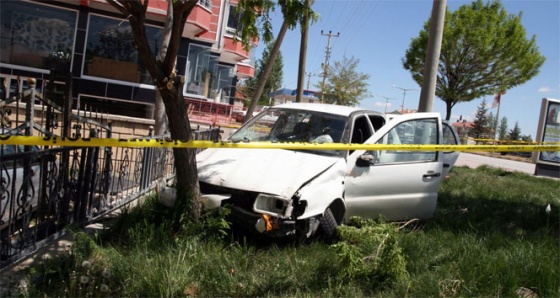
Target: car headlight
{"points": [[274, 205]]}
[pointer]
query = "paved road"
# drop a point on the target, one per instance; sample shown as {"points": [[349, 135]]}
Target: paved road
{"points": [[474, 160]]}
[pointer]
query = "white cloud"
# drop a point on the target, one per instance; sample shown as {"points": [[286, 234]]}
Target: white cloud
{"points": [[545, 89], [379, 104]]}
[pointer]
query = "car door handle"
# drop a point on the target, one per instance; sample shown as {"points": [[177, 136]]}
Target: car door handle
{"points": [[446, 165], [431, 174]]}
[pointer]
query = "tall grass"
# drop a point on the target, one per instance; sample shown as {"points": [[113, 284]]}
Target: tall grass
{"points": [[490, 236]]}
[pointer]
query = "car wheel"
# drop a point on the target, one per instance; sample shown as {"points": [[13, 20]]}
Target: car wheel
{"points": [[328, 224]]}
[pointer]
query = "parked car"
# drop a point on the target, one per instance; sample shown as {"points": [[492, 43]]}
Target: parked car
{"points": [[285, 192]]}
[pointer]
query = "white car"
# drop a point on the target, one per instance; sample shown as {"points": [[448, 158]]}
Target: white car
{"points": [[299, 192]]}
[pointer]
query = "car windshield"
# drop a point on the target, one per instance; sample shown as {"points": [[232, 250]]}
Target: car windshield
{"points": [[291, 125]]}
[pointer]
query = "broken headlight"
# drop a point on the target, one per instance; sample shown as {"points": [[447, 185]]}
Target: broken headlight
{"points": [[274, 205]]}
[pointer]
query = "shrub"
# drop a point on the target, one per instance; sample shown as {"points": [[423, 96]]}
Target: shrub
{"points": [[369, 251]]}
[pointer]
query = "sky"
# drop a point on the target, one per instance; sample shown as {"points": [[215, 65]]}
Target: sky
{"points": [[378, 33]]}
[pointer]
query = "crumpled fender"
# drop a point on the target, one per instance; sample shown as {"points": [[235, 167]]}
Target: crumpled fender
{"points": [[321, 191]]}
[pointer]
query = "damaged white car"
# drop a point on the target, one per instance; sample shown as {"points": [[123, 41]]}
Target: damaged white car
{"points": [[299, 192]]}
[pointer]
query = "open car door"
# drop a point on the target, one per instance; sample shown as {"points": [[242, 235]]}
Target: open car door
{"points": [[397, 184]]}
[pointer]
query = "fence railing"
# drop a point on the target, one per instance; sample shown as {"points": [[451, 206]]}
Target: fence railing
{"points": [[45, 189]]}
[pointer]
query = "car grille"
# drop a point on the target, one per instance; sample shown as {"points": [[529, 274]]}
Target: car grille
{"points": [[240, 198]]}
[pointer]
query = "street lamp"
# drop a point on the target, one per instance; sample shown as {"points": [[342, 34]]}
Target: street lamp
{"points": [[404, 95], [386, 101]]}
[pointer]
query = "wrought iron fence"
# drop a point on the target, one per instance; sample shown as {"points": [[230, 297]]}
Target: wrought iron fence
{"points": [[43, 190]]}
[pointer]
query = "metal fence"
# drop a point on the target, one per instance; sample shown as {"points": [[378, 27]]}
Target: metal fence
{"points": [[45, 189]]}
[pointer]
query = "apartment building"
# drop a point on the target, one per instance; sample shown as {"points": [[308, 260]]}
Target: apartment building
{"points": [[90, 39]]}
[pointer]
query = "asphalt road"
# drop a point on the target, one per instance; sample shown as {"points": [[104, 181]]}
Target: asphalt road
{"points": [[474, 160]]}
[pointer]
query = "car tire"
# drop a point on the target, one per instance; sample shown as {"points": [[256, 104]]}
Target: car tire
{"points": [[328, 224]]}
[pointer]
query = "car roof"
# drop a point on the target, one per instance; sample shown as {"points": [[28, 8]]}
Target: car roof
{"points": [[325, 108]]}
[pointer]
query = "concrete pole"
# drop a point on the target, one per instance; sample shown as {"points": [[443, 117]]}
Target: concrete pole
{"points": [[429, 81], [303, 53]]}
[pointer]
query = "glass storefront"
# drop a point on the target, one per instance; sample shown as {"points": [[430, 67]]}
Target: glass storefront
{"points": [[36, 36], [110, 51], [206, 78]]}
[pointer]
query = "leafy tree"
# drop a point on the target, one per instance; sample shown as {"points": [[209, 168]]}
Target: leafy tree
{"points": [[527, 138], [503, 128], [515, 133], [275, 78], [484, 51], [169, 85], [344, 85], [480, 129], [490, 120]]}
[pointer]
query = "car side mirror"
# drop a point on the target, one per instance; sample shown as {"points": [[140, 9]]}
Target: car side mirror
{"points": [[365, 160]]}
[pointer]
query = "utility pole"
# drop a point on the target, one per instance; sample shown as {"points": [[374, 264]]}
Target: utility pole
{"points": [[308, 74], [426, 103], [386, 101], [303, 52], [404, 95], [497, 101], [327, 57]]}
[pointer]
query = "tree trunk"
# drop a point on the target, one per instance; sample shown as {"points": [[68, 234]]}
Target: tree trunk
{"points": [[448, 107], [159, 116], [185, 159], [266, 71], [170, 86]]}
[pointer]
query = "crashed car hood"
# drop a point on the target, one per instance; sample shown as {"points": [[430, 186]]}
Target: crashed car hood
{"points": [[273, 171]]}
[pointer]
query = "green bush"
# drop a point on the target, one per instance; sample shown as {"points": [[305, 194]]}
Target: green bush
{"points": [[369, 251]]}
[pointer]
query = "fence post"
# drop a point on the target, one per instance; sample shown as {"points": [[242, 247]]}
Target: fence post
{"points": [[83, 194], [29, 98], [106, 180], [64, 206], [145, 176]]}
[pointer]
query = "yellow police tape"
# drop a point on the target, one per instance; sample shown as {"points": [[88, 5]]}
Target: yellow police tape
{"points": [[169, 143]]}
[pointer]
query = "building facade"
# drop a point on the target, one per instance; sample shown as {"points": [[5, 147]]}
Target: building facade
{"points": [[92, 41]]}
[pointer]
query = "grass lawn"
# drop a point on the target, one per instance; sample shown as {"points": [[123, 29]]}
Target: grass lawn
{"points": [[490, 236]]}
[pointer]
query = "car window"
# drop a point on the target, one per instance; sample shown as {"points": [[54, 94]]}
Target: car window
{"points": [[377, 121], [448, 135], [421, 131], [361, 131], [290, 125]]}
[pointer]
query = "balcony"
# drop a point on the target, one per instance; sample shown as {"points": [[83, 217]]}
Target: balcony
{"points": [[233, 52], [245, 71], [198, 22]]}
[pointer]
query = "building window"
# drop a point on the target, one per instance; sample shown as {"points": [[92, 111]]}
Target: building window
{"points": [[233, 25], [201, 67], [111, 54], [36, 36], [222, 84], [205, 3], [206, 77]]}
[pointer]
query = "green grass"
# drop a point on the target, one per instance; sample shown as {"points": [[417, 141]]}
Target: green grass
{"points": [[490, 236]]}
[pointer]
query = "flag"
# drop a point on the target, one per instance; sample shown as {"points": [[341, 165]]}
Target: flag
{"points": [[497, 99]]}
